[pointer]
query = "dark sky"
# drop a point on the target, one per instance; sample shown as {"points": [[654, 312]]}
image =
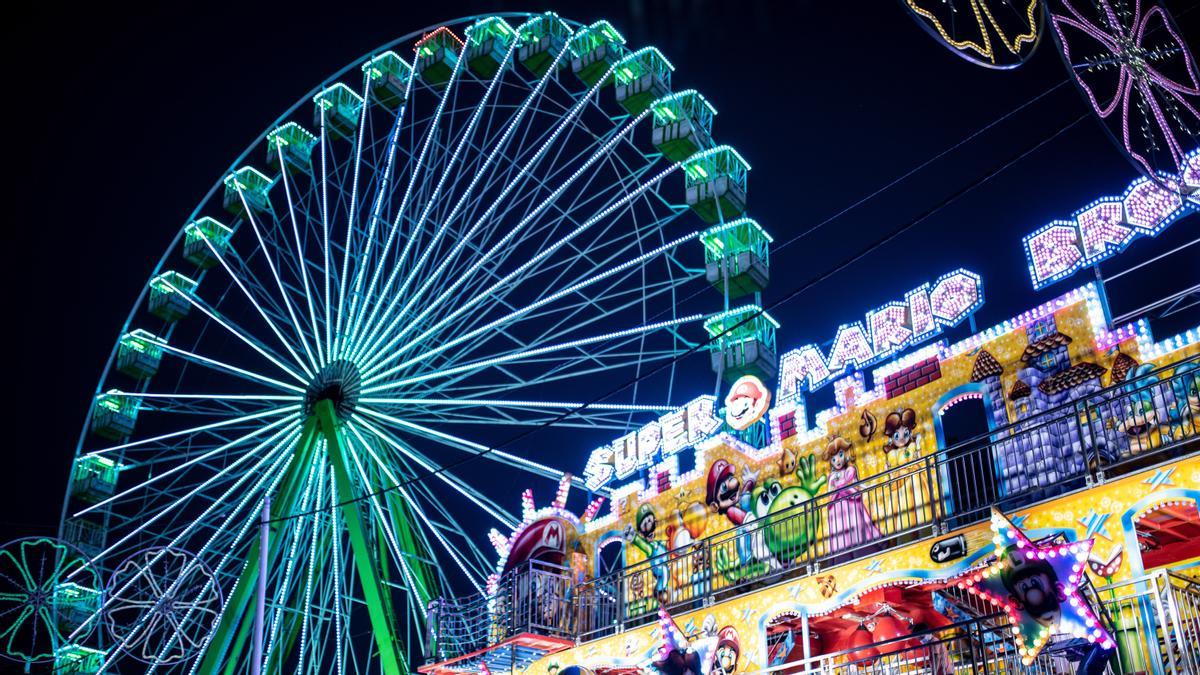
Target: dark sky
{"points": [[119, 118]]}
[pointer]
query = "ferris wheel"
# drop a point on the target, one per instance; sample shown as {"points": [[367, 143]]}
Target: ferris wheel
{"points": [[411, 265]]}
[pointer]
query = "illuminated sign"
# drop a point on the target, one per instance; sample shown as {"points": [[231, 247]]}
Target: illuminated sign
{"points": [[1105, 227], [639, 449], [746, 403], [925, 311]]}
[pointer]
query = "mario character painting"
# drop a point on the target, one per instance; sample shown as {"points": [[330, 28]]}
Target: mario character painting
{"points": [[746, 403], [733, 498], [726, 494]]}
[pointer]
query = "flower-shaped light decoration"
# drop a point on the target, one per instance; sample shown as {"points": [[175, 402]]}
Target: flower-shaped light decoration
{"points": [[1136, 71], [992, 33], [161, 601], [49, 594], [1037, 586]]}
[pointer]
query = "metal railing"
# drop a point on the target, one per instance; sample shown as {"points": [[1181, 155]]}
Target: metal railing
{"points": [[534, 597], [1101, 434]]}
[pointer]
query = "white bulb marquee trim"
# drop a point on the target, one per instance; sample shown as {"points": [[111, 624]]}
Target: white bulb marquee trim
{"points": [[926, 311], [1105, 227]]}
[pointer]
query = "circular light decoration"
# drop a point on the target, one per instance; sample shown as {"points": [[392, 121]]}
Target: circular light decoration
{"points": [[161, 603], [998, 34], [49, 593], [1134, 68], [746, 403]]}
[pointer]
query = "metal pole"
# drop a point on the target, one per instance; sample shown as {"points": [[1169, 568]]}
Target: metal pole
{"points": [[261, 604], [1102, 292]]}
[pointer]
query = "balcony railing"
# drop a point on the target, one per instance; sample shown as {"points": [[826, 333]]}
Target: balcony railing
{"points": [[1079, 443], [532, 598], [1153, 621]]}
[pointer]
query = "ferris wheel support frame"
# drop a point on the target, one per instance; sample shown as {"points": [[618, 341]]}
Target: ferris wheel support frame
{"points": [[322, 424]]}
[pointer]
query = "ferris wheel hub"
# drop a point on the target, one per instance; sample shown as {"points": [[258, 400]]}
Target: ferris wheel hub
{"points": [[340, 383]]}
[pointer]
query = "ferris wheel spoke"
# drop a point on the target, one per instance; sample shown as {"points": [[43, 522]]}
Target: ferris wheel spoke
{"points": [[607, 244], [473, 574], [524, 405], [448, 526], [474, 496], [284, 296], [529, 312], [325, 279], [606, 302], [476, 196], [221, 475], [226, 368], [520, 413], [277, 472], [387, 353], [189, 406], [300, 261], [524, 354], [233, 329], [339, 616], [177, 468], [237, 280], [476, 174], [462, 444], [459, 280], [374, 324], [192, 431], [285, 584], [381, 192], [571, 322], [382, 618], [1177, 151], [105, 602], [462, 550], [514, 411], [544, 232], [518, 385], [360, 132], [431, 200], [308, 581], [574, 422], [429, 134]]}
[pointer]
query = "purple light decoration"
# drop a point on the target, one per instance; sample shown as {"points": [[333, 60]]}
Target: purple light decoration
{"points": [[1135, 70]]}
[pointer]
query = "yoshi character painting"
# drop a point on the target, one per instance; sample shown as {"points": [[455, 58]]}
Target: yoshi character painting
{"points": [[787, 530], [780, 533]]}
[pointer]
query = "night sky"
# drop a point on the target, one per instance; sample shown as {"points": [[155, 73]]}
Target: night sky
{"points": [[123, 116]]}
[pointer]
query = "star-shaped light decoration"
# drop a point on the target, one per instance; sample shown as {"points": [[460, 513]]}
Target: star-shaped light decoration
{"points": [[677, 654], [1037, 586]]}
